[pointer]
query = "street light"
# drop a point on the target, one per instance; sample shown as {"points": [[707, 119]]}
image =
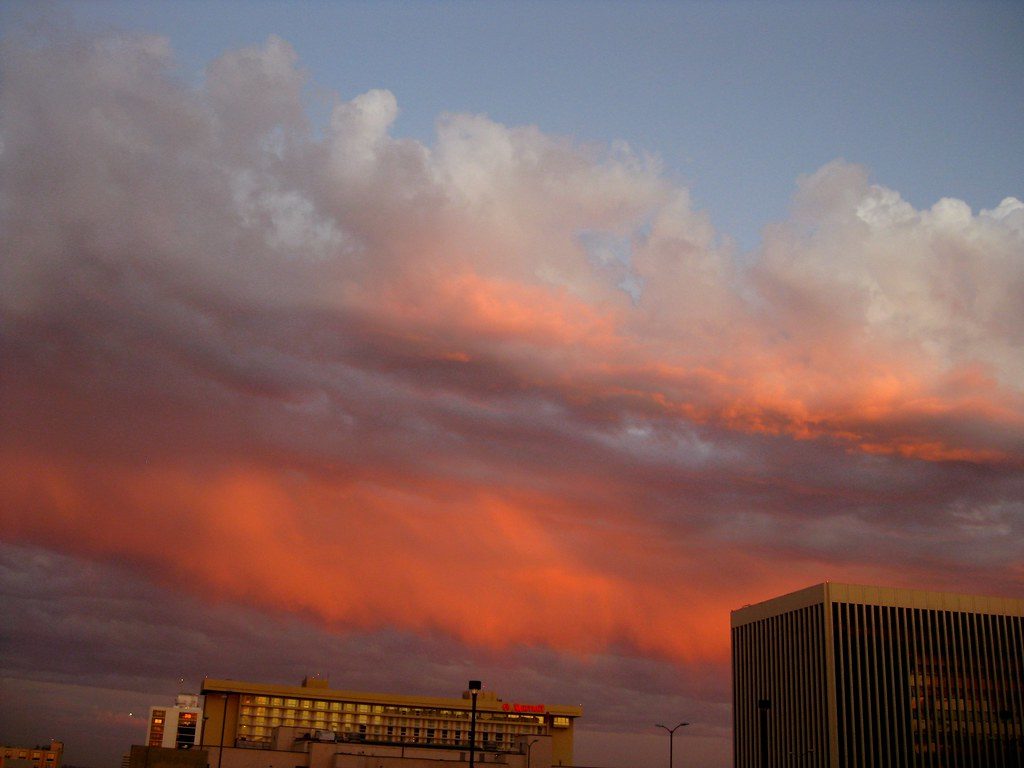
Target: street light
{"points": [[671, 735], [223, 722], [474, 689], [529, 749]]}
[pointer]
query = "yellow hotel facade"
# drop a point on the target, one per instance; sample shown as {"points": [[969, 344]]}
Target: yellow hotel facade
{"points": [[262, 716]]}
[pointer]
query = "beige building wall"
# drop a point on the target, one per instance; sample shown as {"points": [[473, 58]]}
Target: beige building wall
{"points": [[163, 757], [339, 755]]}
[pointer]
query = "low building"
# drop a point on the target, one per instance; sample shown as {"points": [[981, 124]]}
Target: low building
{"points": [[32, 757], [246, 723], [177, 726], [843, 676]]}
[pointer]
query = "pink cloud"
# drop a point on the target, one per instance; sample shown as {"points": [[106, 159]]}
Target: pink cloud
{"points": [[336, 367]]}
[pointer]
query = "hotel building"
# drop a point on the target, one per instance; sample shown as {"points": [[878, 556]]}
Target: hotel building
{"points": [[277, 717], [846, 676]]}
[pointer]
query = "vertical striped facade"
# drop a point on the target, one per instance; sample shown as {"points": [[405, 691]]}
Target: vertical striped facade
{"points": [[847, 676]]}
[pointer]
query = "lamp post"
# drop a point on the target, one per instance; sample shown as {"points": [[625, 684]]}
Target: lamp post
{"points": [[223, 722], [529, 749], [474, 690], [671, 735], [203, 733]]}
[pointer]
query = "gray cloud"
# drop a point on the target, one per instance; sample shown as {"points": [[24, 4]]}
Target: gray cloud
{"points": [[233, 339]]}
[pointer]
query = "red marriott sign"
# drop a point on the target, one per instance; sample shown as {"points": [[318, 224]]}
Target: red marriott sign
{"points": [[533, 709]]}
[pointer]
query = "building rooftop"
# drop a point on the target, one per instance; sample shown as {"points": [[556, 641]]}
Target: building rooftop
{"points": [[487, 701], [836, 592]]}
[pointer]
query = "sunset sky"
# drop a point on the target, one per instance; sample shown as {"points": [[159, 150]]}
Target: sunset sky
{"points": [[409, 343]]}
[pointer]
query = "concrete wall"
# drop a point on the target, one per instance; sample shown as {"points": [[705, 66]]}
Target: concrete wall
{"points": [[161, 757], [325, 754]]}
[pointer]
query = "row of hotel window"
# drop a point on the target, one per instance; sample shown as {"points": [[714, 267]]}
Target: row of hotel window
{"points": [[24, 754], [259, 716], [262, 726], [261, 705], [409, 735]]}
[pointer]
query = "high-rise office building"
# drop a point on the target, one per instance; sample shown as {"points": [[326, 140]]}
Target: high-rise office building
{"points": [[847, 676]]}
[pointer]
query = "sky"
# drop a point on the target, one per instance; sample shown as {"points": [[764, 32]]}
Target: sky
{"points": [[413, 343]]}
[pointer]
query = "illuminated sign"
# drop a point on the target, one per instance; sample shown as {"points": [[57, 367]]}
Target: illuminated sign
{"points": [[533, 709]]}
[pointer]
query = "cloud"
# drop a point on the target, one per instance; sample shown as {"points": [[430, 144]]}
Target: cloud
{"points": [[503, 387], [89, 648]]}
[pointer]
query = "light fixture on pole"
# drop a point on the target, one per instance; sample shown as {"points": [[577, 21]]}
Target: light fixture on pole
{"points": [[474, 690], [671, 735], [529, 749]]}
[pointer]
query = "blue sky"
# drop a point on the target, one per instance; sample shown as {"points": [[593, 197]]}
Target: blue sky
{"points": [[738, 99]]}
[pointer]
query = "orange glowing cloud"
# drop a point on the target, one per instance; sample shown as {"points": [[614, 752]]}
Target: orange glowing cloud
{"points": [[501, 387]]}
